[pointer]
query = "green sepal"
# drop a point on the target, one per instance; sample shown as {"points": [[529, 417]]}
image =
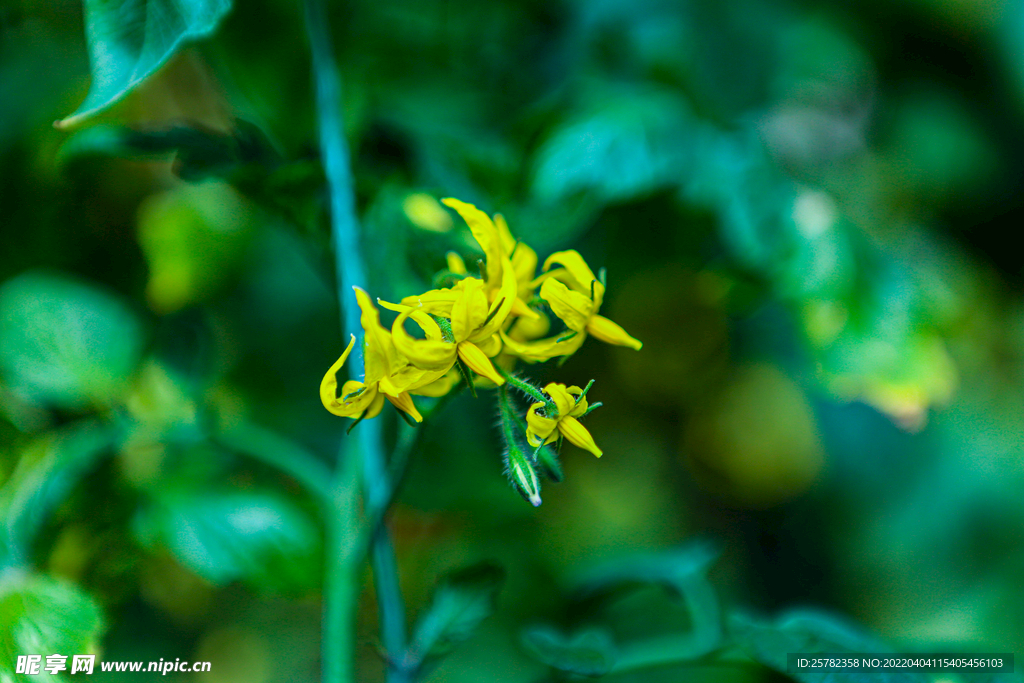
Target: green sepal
{"points": [[518, 465], [467, 375]]}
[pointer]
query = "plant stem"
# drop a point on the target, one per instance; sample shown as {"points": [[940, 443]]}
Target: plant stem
{"points": [[344, 547], [341, 582]]}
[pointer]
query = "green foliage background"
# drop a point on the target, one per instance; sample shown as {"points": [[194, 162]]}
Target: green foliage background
{"points": [[808, 214]]}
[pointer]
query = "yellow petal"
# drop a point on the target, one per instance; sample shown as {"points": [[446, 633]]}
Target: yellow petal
{"points": [[356, 397], [378, 349], [456, 264], [406, 378], [469, 311], [424, 212], [485, 233], [375, 407], [440, 386], [527, 329], [473, 357], [542, 349], [507, 241], [575, 266], [581, 403], [611, 333], [427, 354], [490, 346], [538, 427], [573, 308], [562, 398], [437, 301], [418, 315], [329, 384], [502, 305], [522, 310], [404, 403], [573, 430]]}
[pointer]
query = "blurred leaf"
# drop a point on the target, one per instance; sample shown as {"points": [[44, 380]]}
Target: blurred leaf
{"points": [[805, 631], [131, 39], [64, 342], [39, 615], [460, 602], [223, 536], [682, 572], [200, 153], [48, 469], [586, 653], [939, 150], [674, 569], [192, 236], [630, 144]]}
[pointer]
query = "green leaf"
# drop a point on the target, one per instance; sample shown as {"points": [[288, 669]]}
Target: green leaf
{"points": [[260, 538], [48, 469], [40, 615], [681, 571], [807, 631], [64, 342], [130, 39], [460, 602], [628, 143], [587, 653]]}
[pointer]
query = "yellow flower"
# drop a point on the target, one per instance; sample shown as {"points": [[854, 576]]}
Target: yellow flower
{"points": [[570, 404], [498, 244], [575, 296], [474, 326], [387, 373]]}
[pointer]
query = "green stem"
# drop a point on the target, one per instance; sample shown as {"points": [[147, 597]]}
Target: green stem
{"points": [[344, 548], [341, 584], [530, 390]]}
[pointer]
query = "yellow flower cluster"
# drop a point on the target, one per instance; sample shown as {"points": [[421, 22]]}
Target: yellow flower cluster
{"points": [[480, 327]]}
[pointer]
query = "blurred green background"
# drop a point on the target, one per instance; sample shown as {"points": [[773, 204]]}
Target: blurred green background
{"points": [[808, 212]]}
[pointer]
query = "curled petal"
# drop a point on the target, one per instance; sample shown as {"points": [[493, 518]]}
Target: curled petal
{"points": [[472, 356], [542, 349], [573, 308], [406, 378], [427, 354], [485, 233], [379, 351], [580, 273], [502, 305], [581, 403], [437, 301], [404, 403], [562, 397], [573, 430], [539, 428], [418, 315], [611, 333], [329, 384], [440, 386]]}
